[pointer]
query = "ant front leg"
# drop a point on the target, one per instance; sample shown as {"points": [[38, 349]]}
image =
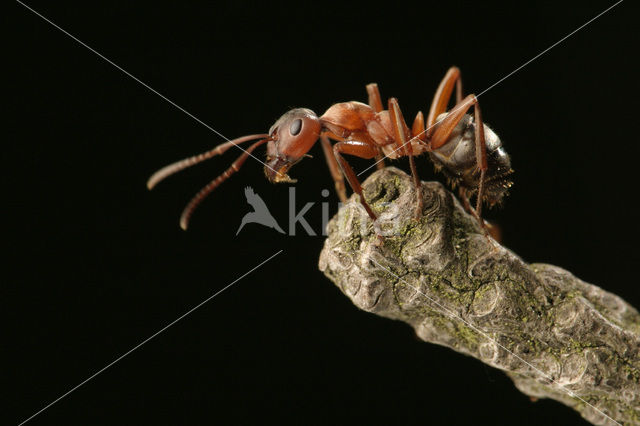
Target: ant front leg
{"points": [[358, 149], [400, 133], [334, 168], [443, 132], [375, 102]]}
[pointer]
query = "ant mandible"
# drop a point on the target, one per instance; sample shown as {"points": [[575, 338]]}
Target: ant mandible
{"points": [[465, 149]]}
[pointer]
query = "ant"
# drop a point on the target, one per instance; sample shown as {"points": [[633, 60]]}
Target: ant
{"points": [[465, 149]]}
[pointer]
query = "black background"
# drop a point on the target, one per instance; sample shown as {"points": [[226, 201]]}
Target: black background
{"points": [[97, 263]]}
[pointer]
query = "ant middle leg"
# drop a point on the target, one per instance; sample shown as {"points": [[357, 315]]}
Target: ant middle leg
{"points": [[403, 139], [375, 102]]}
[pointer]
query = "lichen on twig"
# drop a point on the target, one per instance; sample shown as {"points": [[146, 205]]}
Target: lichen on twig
{"points": [[553, 334]]}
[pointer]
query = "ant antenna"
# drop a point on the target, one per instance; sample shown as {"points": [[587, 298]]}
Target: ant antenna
{"points": [[202, 194], [188, 162]]}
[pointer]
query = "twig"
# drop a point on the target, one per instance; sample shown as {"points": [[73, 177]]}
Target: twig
{"points": [[553, 334]]}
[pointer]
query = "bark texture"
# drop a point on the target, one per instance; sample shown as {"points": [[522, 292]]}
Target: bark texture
{"points": [[553, 334]]}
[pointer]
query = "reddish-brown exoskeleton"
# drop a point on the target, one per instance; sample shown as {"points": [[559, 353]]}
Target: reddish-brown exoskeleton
{"points": [[467, 151]]}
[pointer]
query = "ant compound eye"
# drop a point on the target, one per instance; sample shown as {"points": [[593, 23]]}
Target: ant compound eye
{"points": [[296, 126]]}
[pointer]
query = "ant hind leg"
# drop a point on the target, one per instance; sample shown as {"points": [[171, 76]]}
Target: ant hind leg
{"points": [[443, 95]]}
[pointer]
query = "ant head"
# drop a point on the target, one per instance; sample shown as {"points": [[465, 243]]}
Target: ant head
{"points": [[291, 137]]}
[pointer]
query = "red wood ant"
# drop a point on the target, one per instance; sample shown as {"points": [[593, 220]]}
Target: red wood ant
{"points": [[465, 149]]}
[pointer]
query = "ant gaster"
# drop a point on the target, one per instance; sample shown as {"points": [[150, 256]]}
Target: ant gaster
{"points": [[465, 149]]}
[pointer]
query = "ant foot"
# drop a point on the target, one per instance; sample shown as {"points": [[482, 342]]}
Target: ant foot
{"points": [[494, 231]]}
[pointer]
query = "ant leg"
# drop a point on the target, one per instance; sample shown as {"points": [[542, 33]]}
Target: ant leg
{"points": [[379, 160], [462, 194], [459, 93], [443, 95], [493, 229], [417, 128], [400, 129], [443, 131], [334, 168], [358, 149], [202, 194], [481, 157], [375, 102], [440, 134]]}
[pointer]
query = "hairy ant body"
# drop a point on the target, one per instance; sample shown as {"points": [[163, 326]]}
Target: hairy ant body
{"points": [[465, 149]]}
